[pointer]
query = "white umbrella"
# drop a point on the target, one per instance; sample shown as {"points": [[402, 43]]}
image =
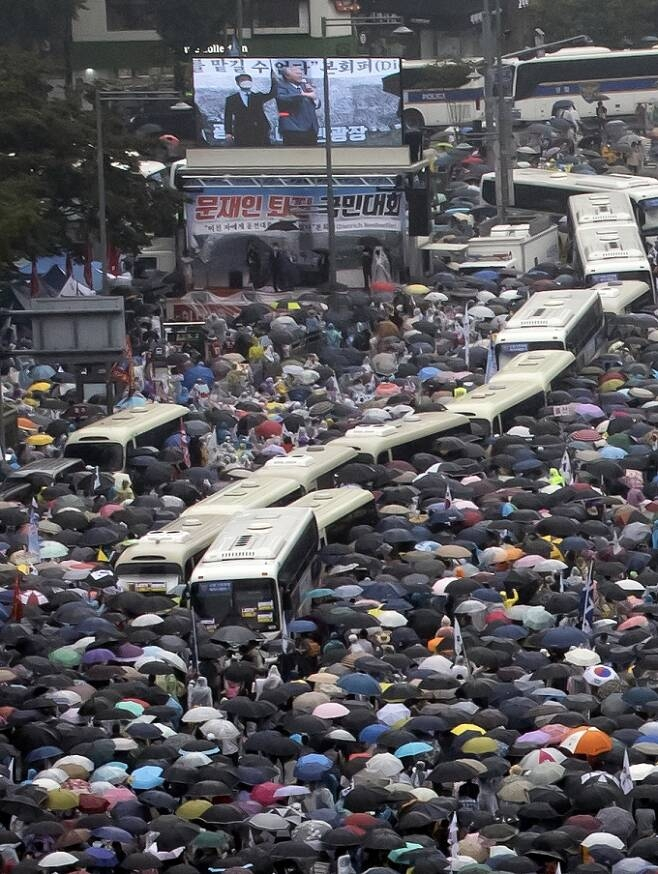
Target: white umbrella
{"points": [[201, 714], [385, 764], [219, 729]]}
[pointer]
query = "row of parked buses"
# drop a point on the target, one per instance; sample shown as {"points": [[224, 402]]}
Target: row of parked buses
{"points": [[248, 553]]}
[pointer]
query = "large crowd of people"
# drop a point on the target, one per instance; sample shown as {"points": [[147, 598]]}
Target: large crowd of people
{"points": [[471, 686]]}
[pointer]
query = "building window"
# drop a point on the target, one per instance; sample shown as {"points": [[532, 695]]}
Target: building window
{"points": [[276, 14], [129, 14]]}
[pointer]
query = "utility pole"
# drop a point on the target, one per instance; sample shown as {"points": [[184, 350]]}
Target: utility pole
{"points": [[100, 172], [488, 52], [503, 127]]}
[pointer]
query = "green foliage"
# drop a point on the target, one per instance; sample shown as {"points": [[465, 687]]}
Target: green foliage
{"points": [[446, 75], [48, 172], [27, 24], [194, 23], [608, 22]]}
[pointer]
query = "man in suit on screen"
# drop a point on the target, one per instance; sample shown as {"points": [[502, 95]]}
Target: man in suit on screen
{"points": [[245, 122]]}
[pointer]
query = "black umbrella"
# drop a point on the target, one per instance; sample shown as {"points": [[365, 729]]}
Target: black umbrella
{"points": [[141, 861], [236, 635], [272, 744]]}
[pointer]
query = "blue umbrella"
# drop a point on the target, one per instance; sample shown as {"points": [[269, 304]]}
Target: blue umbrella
{"points": [[312, 767], [415, 748], [359, 684], [370, 733], [199, 371], [41, 753], [299, 626], [112, 833], [487, 595], [100, 857], [509, 632], [320, 593], [574, 544], [639, 695], [564, 637]]}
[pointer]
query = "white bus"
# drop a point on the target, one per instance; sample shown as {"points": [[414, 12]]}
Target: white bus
{"points": [[570, 320], [162, 561], [610, 251], [258, 570], [581, 75], [313, 467], [550, 190], [599, 207], [622, 298], [401, 439], [538, 367], [246, 494], [337, 511], [104, 443], [492, 408]]}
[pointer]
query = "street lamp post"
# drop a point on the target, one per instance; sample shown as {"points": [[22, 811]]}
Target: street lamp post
{"points": [[125, 97], [328, 155]]}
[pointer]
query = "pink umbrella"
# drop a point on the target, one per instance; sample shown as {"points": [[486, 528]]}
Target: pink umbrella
{"points": [[330, 710], [589, 410], [556, 732], [529, 561], [108, 509], [539, 738], [117, 794], [633, 622]]}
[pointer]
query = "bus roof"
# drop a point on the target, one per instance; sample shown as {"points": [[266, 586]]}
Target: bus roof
{"points": [[614, 241], [261, 535], [329, 505], [617, 297], [373, 439], [307, 464], [583, 181], [121, 425], [539, 367], [245, 494], [490, 400], [177, 541], [598, 207], [552, 309]]}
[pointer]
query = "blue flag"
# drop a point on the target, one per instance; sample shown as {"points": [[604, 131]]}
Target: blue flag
{"points": [[492, 367]]}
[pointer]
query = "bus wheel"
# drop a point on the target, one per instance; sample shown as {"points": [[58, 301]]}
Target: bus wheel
{"points": [[413, 119]]}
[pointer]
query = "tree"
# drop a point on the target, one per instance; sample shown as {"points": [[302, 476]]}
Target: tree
{"points": [[42, 26], [193, 25], [48, 186], [608, 22]]}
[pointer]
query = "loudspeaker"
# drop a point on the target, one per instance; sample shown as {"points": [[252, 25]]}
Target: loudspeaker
{"points": [[419, 212]]}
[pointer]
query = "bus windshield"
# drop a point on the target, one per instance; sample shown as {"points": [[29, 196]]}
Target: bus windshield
{"points": [[238, 602], [649, 211], [106, 456], [507, 351]]}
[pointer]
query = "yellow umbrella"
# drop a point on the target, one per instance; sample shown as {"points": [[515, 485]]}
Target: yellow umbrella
{"points": [[40, 386], [39, 440], [467, 726], [416, 288], [477, 746], [193, 809], [62, 799]]}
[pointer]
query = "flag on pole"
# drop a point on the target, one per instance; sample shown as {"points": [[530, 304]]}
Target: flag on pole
{"points": [[448, 496], [35, 287], [625, 779], [588, 601], [17, 604], [33, 546], [457, 640], [561, 582], [88, 276], [565, 469], [453, 839], [467, 337], [97, 478], [184, 444], [492, 367]]}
